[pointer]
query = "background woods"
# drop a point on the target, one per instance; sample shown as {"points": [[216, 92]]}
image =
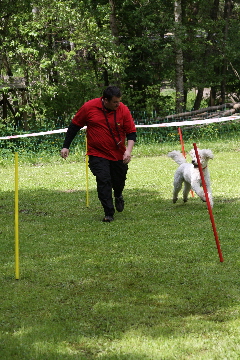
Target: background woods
{"points": [[57, 54]]}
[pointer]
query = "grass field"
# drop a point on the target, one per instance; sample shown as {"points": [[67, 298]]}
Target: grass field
{"points": [[147, 286]]}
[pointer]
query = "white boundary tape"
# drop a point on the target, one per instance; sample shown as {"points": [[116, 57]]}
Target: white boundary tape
{"points": [[176, 123]]}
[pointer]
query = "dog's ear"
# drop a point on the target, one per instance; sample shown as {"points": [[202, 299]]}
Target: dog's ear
{"points": [[192, 153], [207, 153]]}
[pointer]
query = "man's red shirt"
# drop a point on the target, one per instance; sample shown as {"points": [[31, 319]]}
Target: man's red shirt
{"points": [[99, 137]]}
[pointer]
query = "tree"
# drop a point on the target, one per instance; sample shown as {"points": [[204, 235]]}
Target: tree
{"points": [[179, 56], [228, 8]]}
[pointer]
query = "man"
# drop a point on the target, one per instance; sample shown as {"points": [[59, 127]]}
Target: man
{"points": [[109, 123]]}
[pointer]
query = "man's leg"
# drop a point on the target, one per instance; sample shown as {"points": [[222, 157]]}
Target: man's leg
{"points": [[100, 168], [118, 175]]}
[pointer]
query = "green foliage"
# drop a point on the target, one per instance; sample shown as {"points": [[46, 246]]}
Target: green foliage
{"points": [[68, 51]]}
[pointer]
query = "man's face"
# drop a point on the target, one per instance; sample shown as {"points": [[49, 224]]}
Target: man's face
{"points": [[112, 104]]}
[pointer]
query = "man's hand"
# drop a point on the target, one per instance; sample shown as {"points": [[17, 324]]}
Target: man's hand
{"points": [[64, 153], [127, 154], [127, 157]]}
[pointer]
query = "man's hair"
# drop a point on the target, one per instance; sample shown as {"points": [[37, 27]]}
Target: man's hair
{"points": [[111, 91]]}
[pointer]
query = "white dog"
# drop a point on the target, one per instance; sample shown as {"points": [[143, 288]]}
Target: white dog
{"points": [[190, 174]]}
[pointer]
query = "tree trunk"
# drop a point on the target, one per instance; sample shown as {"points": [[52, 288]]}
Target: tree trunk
{"points": [[227, 15], [197, 102], [24, 114], [214, 10], [113, 21], [178, 57], [4, 102], [105, 77], [115, 34], [210, 38], [212, 96]]}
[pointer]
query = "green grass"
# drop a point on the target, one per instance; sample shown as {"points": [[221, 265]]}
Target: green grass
{"points": [[147, 286]]}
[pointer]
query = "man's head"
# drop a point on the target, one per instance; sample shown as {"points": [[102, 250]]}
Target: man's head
{"points": [[112, 97]]}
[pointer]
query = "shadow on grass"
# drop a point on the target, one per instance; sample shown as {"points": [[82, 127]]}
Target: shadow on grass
{"points": [[89, 289]]}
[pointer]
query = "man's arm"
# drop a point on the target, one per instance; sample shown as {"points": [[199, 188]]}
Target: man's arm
{"points": [[70, 135], [131, 138]]}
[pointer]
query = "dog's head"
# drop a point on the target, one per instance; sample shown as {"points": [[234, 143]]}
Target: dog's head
{"points": [[204, 156]]}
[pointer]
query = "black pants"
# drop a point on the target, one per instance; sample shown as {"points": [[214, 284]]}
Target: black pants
{"points": [[110, 175]]}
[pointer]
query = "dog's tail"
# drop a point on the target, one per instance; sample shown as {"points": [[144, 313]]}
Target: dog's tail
{"points": [[177, 156]]}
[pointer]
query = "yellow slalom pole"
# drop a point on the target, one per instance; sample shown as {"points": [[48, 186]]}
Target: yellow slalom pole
{"points": [[16, 220], [87, 194]]}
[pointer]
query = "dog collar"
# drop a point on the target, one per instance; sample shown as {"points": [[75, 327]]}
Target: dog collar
{"points": [[196, 167]]}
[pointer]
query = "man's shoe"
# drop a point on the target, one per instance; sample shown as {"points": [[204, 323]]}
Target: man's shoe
{"points": [[107, 218], [119, 203]]}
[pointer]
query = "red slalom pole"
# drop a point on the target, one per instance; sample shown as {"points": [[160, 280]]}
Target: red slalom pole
{"points": [[208, 204], [181, 141]]}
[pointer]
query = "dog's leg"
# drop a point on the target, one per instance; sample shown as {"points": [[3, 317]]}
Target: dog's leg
{"points": [[201, 194], [186, 189], [198, 190], [177, 185], [209, 191], [210, 198]]}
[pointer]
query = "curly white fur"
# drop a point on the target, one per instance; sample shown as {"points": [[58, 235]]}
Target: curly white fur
{"points": [[189, 174]]}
